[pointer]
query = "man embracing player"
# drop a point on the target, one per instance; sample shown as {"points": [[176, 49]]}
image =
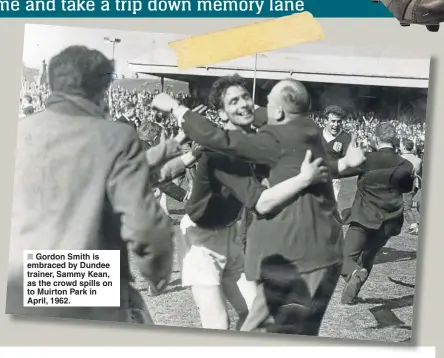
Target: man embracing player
{"points": [[294, 253]]}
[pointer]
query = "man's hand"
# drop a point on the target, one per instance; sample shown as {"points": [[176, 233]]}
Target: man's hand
{"points": [[157, 193], [164, 102], [181, 137], [355, 155], [313, 171], [197, 149]]}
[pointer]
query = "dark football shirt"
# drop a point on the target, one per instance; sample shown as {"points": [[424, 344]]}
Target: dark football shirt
{"points": [[337, 147]]}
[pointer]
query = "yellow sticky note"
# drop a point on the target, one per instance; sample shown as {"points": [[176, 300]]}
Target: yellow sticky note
{"points": [[247, 40]]}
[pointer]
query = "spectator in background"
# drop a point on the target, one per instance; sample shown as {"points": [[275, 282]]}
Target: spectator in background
{"points": [[152, 127], [335, 139], [407, 147], [28, 107], [129, 115]]}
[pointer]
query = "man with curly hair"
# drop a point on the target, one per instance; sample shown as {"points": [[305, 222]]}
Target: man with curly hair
{"points": [[293, 252], [213, 263]]}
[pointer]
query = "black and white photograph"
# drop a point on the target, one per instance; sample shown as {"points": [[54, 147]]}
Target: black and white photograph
{"points": [[274, 193]]}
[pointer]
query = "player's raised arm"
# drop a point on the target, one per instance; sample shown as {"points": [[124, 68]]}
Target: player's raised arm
{"points": [[350, 165]]}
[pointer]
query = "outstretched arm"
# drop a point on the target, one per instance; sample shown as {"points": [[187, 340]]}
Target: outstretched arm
{"points": [[176, 167], [311, 173], [261, 148], [256, 197], [351, 164], [162, 152]]}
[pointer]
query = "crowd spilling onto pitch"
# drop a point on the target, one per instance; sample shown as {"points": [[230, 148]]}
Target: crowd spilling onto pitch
{"points": [[261, 226], [151, 127]]}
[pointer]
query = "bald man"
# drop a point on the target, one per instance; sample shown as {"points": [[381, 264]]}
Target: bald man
{"points": [[294, 253]]}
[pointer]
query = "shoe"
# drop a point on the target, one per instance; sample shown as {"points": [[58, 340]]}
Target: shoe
{"points": [[353, 285], [421, 12]]}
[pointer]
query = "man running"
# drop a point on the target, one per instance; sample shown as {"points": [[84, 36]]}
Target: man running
{"points": [[377, 212]]}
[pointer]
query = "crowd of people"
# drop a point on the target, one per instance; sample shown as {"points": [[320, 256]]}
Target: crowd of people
{"points": [[83, 181], [33, 96], [152, 127], [364, 124]]}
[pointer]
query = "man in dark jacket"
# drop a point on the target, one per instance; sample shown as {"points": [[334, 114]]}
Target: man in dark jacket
{"points": [[295, 253], [377, 212], [82, 183], [214, 261]]}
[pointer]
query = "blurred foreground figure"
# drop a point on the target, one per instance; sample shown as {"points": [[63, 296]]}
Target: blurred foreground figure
{"points": [[82, 183]]}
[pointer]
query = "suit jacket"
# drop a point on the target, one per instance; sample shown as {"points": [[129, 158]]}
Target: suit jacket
{"points": [[221, 187], [82, 183], [382, 180], [305, 230]]}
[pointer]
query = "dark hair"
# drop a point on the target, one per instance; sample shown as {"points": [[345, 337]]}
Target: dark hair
{"points": [[386, 133], [81, 71], [220, 87], [336, 110], [408, 144]]}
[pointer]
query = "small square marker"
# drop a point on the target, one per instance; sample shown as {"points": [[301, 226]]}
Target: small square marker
{"points": [[30, 256]]}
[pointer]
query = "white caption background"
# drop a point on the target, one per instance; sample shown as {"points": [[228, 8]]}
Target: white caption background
{"points": [[80, 278]]}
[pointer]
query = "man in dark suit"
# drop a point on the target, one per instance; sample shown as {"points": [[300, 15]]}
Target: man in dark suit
{"points": [[294, 253], [377, 212], [213, 263], [82, 182]]}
